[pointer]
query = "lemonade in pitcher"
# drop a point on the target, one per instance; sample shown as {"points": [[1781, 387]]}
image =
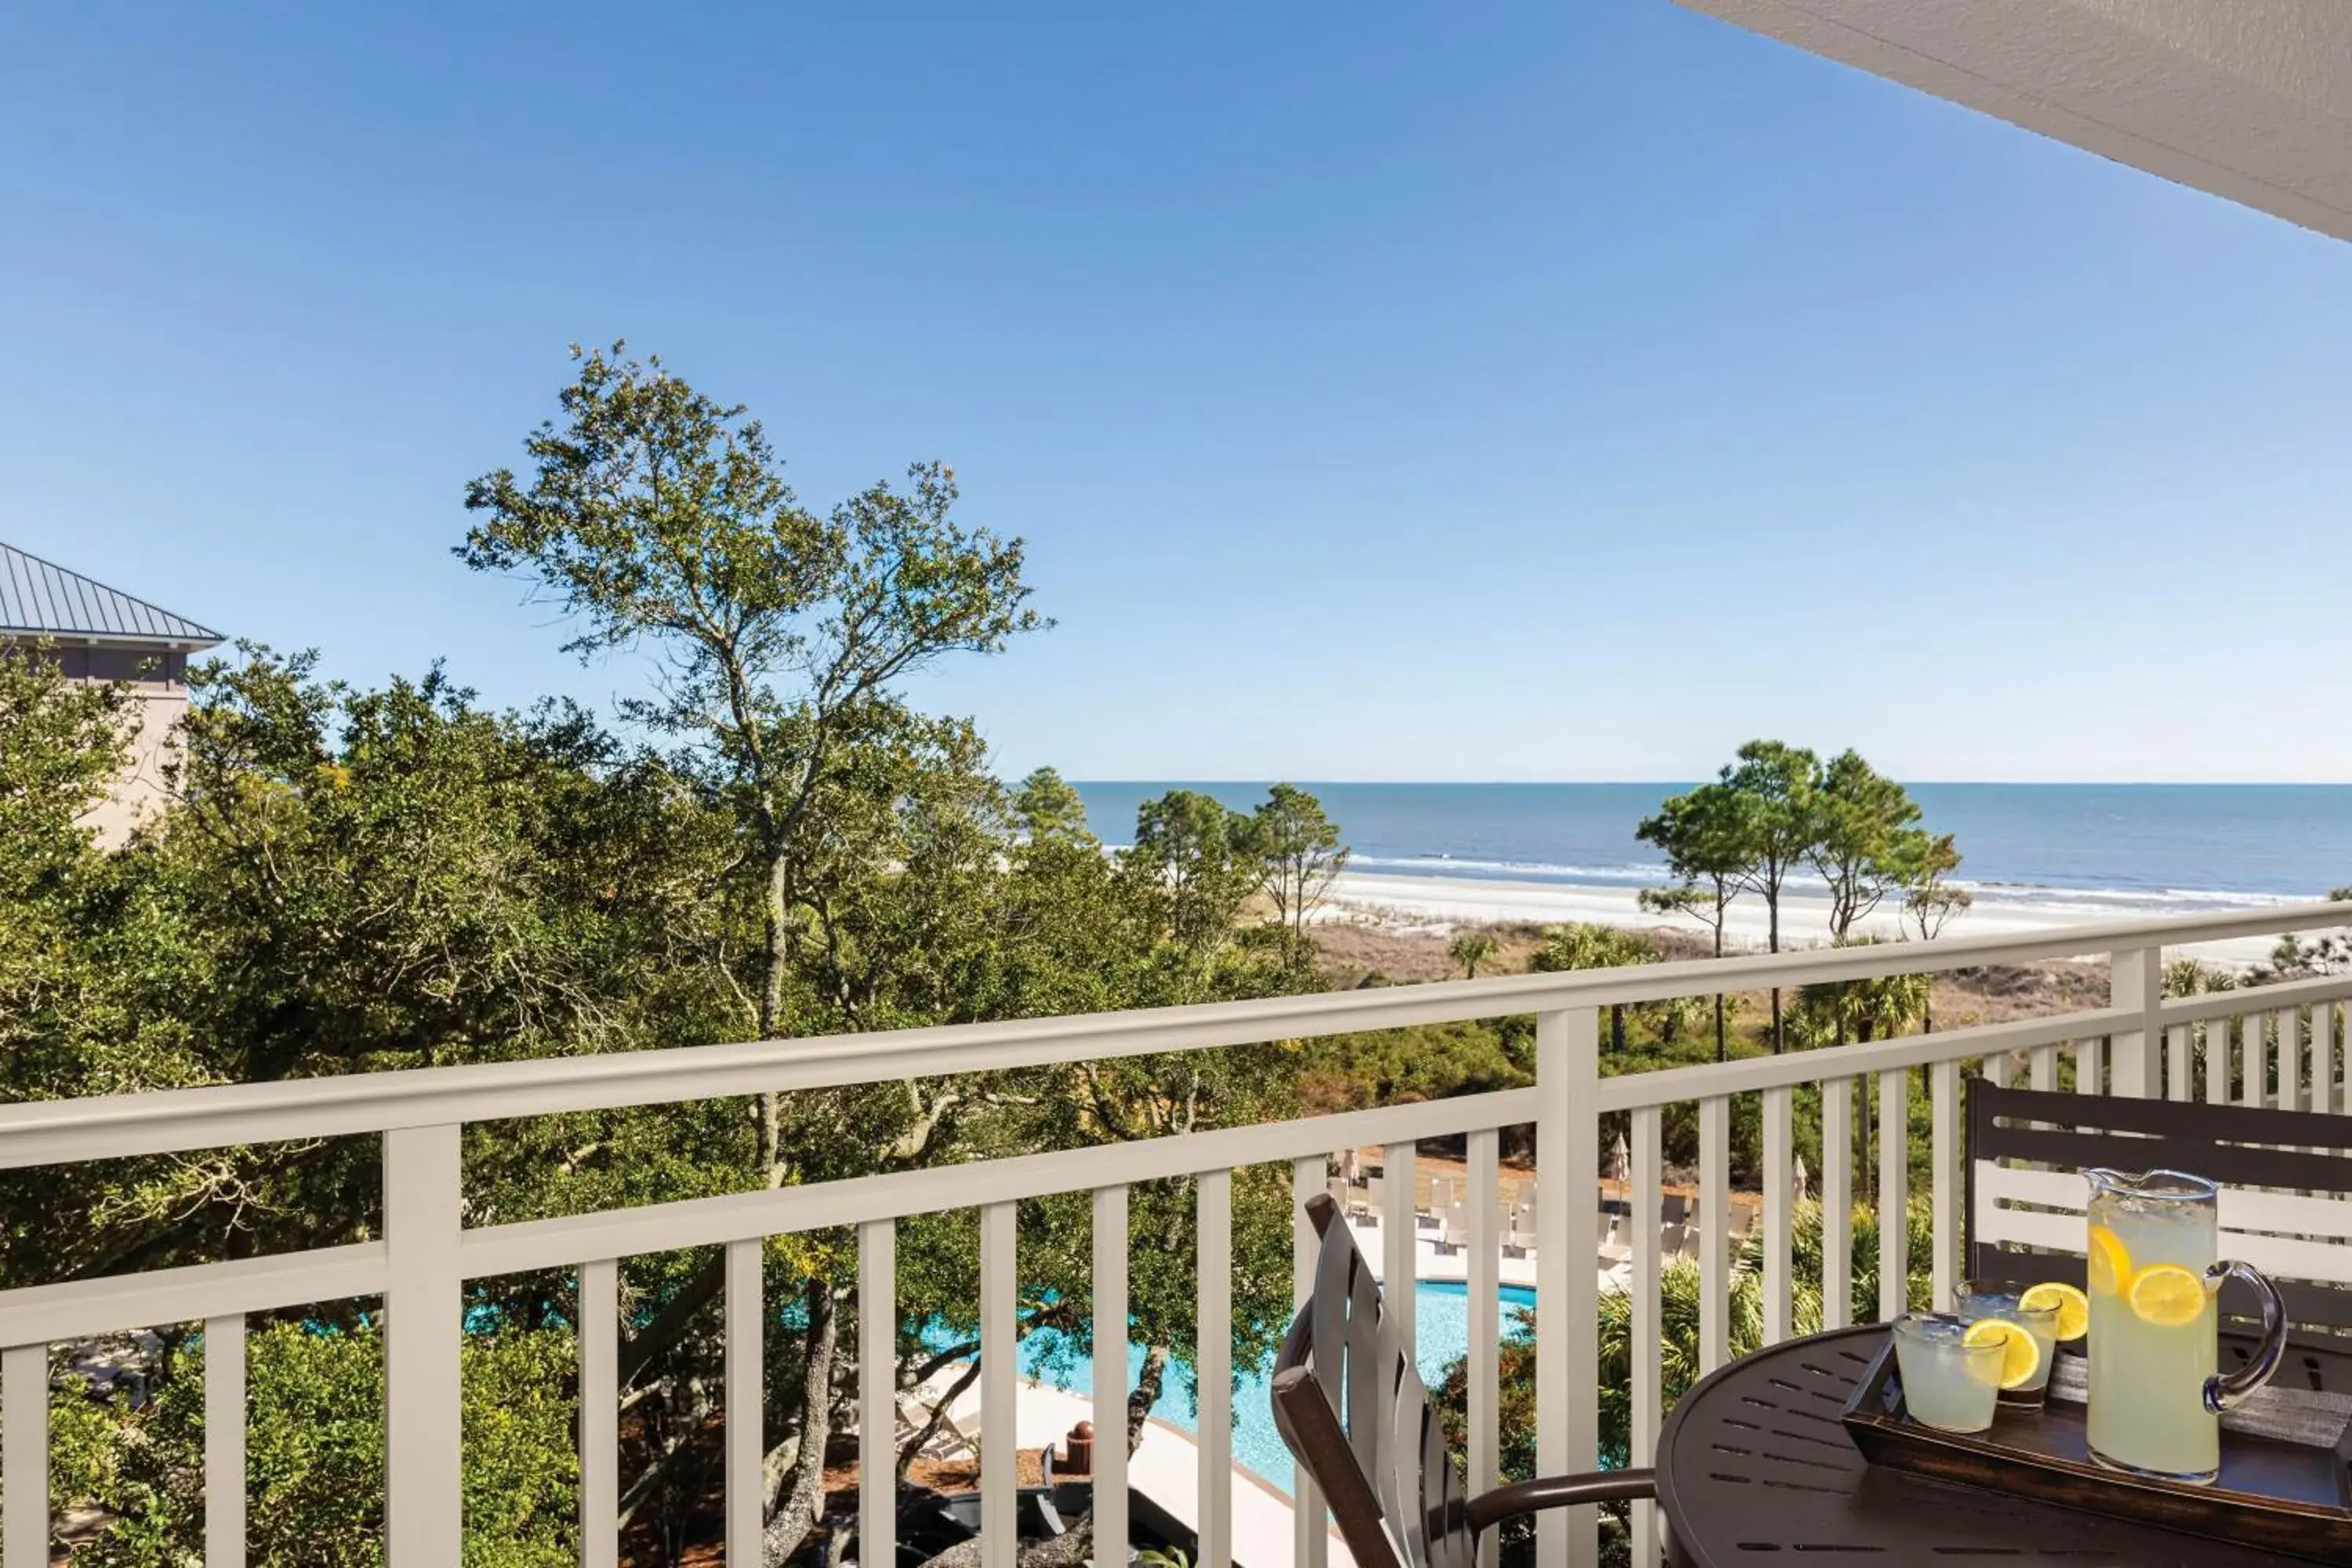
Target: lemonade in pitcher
{"points": [[2155, 1400]]}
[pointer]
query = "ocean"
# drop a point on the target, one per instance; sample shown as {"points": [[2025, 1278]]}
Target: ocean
{"points": [[2091, 849]]}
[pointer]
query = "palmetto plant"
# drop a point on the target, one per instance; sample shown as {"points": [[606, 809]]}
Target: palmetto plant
{"points": [[1472, 948], [1834, 1012]]}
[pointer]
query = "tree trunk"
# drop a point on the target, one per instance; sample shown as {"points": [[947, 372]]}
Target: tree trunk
{"points": [[1146, 1394], [1773, 937], [1722, 1046], [913, 1446], [796, 1512], [1617, 1027]]}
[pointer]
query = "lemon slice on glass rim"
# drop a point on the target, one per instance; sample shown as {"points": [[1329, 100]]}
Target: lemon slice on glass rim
{"points": [[2021, 1357], [2073, 1308]]}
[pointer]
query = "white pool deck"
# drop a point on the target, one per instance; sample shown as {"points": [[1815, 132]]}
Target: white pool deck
{"points": [[1165, 1465]]}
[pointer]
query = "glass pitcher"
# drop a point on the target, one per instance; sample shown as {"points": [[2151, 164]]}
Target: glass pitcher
{"points": [[2155, 1397]]}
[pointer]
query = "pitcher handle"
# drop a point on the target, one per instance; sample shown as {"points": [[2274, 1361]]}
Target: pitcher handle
{"points": [[2227, 1392]]}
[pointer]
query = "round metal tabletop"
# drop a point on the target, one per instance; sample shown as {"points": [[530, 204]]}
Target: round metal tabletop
{"points": [[1755, 1467]]}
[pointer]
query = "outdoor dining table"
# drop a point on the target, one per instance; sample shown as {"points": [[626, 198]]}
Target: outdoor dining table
{"points": [[1755, 1467]]}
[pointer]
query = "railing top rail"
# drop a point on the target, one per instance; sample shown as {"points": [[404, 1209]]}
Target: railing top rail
{"points": [[112, 1126]]}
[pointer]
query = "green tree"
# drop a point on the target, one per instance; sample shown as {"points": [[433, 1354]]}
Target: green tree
{"points": [[1775, 783], [1472, 948], [1049, 809], [62, 742], [1705, 837], [314, 1454], [1862, 821], [1584, 946], [1193, 856], [1299, 854], [655, 516]]}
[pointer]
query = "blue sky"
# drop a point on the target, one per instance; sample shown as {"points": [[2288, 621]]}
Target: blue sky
{"points": [[1387, 392]]}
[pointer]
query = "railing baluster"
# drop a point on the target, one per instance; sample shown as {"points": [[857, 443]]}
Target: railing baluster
{"points": [[1893, 1186], [2324, 1059], [877, 1392], [2177, 1064], [1111, 1374], [2217, 1061], [2252, 1069], [1647, 1391], [24, 1457], [745, 1369], [2088, 1078], [1945, 1154], [1715, 1232], [1000, 1356], [599, 1414], [1482, 1201], [2315, 1096], [2135, 984], [1837, 1203], [1310, 1522], [1400, 1246], [1779, 1197], [2290, 1059], [424, 1421], [1568, 1161], [224, 1441], [2042, 1072], [1213, 1218]]}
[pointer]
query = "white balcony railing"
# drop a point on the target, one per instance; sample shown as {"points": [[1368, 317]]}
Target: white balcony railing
{"points": [[2138, 1044]]}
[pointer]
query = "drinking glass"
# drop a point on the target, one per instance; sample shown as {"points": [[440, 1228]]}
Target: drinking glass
{"points": [[1979, 1300], [1945, 1383]]}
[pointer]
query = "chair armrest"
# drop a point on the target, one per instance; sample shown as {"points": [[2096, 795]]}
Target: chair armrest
{"points": [[1558, 1491]]}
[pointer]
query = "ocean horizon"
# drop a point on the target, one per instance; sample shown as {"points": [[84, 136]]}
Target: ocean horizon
{"points": [[2081, 847]]}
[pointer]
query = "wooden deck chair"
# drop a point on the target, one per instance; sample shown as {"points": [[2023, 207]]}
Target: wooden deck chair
{"points": [[2285, 1179], [1354, 1413]]}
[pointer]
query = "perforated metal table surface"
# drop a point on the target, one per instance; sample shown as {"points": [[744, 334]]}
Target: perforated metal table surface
{"points": [[1755, 1467]]}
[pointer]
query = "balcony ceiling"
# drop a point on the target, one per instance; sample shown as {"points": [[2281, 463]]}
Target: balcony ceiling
{"points": [[2250, 99]]}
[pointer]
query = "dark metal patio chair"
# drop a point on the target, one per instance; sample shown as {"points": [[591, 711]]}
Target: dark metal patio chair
{"points": [[1355, 1414]]}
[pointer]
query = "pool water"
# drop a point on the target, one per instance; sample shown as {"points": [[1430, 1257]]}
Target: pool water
{"points": [[1442, 1336]]}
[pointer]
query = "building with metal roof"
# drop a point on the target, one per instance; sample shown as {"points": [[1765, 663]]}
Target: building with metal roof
{"points": [[41, 599], [97, 633]]}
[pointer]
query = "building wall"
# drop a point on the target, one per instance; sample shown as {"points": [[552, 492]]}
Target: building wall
{"points": [[159, 679]]}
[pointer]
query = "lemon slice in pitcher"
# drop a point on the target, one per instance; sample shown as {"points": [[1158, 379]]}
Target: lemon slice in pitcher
{"points": [[2073, 1308], [2167, 1295], [2110, 1263], [2021, 1357]]}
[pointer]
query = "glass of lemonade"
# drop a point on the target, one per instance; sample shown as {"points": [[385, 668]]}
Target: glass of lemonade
{"points": [[2155, 1400], [1947, 1382], [2025, 1373]]}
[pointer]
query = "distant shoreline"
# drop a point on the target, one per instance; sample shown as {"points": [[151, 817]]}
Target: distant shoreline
{"points": [[1405, 901]]}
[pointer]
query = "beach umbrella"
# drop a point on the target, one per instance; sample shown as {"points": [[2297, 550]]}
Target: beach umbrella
{"points": [[1622, 1162], [1800, 1178]]}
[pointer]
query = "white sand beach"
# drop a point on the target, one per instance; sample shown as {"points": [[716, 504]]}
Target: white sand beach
{"points": [[1441, 902]]}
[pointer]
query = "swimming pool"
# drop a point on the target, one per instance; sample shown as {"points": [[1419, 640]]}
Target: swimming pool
{"points": [[1442, 1336]]}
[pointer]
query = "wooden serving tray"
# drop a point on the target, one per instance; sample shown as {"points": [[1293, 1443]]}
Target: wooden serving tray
{"points": [[2286, 1462]]}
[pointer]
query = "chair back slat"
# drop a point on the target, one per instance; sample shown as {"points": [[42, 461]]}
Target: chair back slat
{"points": [[1355, 1416], [2285, 1204]]}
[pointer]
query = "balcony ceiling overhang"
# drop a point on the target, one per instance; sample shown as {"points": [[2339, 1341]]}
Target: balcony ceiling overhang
{"points": [[2250, 99]]}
